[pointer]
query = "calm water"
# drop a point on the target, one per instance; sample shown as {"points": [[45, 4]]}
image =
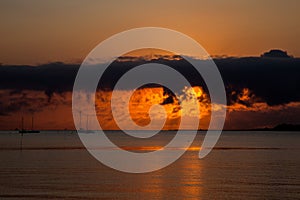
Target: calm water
{"points": [[244, 165]]}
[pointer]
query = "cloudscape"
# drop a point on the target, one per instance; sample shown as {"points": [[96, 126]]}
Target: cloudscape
{"points": [[262, 87]]}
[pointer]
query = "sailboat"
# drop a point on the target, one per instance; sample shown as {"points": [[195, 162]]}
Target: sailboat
{"points": [[87, 130], [28, 131]]}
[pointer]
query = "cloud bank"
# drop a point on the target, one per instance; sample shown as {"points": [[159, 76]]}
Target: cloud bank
{"points": [[256, 88]]}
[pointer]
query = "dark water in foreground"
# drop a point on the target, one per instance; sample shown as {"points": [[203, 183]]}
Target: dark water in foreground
{"points": [[245, 165]]}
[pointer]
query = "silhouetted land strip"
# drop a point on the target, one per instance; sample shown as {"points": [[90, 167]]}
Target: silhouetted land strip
{"points": [[287, 127], [280, 127]]}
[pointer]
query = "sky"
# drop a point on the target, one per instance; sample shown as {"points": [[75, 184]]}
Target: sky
{"points": [[35, 32], [43, 43], [261, 92]]}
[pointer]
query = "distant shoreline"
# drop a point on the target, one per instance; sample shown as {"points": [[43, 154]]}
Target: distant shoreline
{"points": [[278, 128]]}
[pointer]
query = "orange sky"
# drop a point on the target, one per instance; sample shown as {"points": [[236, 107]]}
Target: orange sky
{"points": [[57, 114], [45, 31], [34, 32]]}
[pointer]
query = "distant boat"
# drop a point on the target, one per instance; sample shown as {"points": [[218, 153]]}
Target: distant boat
{"points": [[28, 131], [87, 130]]}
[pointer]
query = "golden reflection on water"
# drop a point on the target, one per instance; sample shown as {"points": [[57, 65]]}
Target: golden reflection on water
{"points": [[156, 148], [191, 176], [53, 165], [182, 180]]}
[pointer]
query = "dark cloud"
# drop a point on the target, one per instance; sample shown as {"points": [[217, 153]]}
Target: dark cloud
{"points": [[272, 80], [49, 78]]}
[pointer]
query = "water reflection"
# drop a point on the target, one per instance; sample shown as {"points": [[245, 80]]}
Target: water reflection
{"points": [[243, 166]]}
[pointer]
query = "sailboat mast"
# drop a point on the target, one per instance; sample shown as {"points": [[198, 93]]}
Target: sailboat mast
{"points": [[80, 119], [22, 123], [32, 122], [87, 122]]}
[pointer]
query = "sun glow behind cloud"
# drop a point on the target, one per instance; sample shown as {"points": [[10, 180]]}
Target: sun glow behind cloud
{"points": [[143, 99], [252, 104], [248, 111]]}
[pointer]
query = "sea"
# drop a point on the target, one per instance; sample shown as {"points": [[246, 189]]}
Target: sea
{"points": [[243, 165]]}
